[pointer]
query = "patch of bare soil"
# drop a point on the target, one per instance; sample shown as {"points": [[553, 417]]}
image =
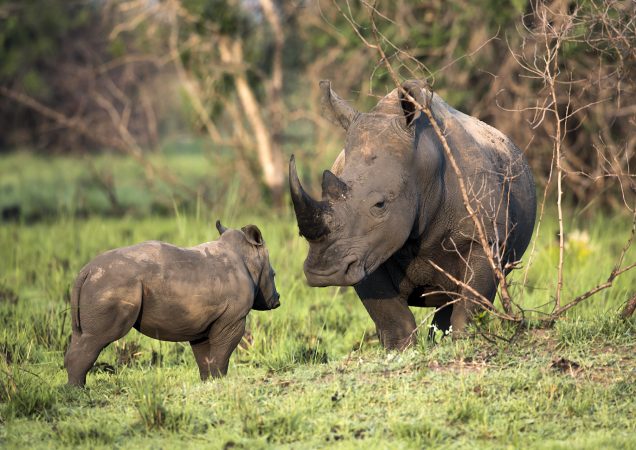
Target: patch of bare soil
{"points": [[565, 365], [461, 366]]}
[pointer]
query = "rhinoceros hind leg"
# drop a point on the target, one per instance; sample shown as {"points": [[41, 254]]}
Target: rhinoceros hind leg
{"points": [[201, 350], [102, 320], [80, 357]]}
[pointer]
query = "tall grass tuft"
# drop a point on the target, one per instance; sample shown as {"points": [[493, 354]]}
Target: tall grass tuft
{"points": [[27, 394], [154, 407], [606, 327]]}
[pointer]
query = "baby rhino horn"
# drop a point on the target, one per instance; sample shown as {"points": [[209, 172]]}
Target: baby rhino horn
{"points": [[220, 227]]}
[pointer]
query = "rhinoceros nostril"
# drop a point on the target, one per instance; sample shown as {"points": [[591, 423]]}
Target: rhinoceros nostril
{"points": [[350, 262]]}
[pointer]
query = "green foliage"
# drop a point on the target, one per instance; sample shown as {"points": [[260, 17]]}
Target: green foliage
{"points": [[224, 16], [471, 52], [30, 40]]}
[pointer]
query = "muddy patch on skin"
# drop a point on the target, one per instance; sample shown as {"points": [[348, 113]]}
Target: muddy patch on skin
{"points": [[117, 263], [146, 252], [96, 274]]}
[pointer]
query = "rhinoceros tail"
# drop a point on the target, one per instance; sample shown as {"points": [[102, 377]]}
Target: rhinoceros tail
{"points": [[75, 299]]}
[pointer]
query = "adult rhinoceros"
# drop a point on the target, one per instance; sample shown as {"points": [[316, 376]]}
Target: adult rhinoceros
{"points": [[392, 204]]}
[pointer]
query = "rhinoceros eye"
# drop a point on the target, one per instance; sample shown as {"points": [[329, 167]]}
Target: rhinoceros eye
{"points": [[378, 208]]}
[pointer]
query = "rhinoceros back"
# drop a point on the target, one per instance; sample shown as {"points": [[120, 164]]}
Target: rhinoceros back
{"points": [[496, 173]]}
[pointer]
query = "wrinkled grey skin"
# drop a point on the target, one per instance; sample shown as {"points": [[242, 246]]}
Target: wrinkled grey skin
{"points": [[391, 204], [200, 294]]}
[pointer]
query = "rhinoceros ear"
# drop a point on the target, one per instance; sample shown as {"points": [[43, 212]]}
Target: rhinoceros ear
{"points": [[220, 227], [336, 109], [253, 234], [416, 89]]}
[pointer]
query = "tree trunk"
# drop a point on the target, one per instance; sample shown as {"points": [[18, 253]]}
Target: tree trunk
{"points": [[275, 85], [269, 157]]}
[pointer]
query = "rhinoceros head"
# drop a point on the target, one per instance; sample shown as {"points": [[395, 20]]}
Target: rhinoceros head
{"points": [[368, 209], [250, 244]]}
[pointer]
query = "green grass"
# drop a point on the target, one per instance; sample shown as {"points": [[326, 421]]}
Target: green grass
{"points": [[35, 187], [311, 373]]}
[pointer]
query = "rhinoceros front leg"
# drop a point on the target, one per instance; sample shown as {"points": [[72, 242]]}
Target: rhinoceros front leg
{"points": [[213, 354], [390, 312]]}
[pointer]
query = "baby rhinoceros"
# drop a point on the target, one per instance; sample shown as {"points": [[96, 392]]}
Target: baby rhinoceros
{"points": [[200, 294]]}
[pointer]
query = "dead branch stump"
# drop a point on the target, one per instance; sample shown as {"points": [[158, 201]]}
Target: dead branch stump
{"points": [[629, 308]]}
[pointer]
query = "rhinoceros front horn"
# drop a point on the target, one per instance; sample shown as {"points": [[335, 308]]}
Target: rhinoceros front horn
{"points": [[310, 214]]}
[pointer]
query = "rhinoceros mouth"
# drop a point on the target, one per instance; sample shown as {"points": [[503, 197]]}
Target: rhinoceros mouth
{"points": [[274, 301], [348, 272]]}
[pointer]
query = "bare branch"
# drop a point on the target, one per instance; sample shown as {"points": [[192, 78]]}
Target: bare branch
{"points": [[617, 271]]}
